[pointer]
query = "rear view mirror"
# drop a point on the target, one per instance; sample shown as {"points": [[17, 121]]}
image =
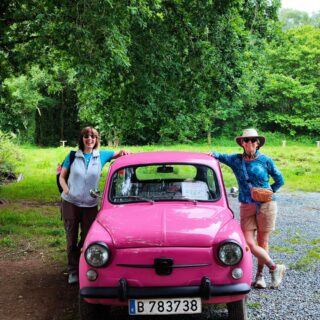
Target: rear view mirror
{"points": [[164, 169]]}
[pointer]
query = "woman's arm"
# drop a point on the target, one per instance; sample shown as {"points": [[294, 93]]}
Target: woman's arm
{"points": [[62, 180], [276, 176], [227, 159]]}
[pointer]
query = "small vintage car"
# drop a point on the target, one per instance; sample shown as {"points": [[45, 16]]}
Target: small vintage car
{"points": [[165, 240]]}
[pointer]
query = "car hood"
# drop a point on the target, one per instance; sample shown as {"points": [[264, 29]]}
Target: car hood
{"points": [[149, 225]]}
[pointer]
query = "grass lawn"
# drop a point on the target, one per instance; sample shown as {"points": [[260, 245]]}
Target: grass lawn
{"points": [[31, 219], [300, 166]]}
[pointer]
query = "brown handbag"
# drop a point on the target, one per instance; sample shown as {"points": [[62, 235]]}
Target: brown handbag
{"points": [[261, 194]]}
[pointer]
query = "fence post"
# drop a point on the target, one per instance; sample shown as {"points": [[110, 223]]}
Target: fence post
{"points": [[318, 144], [284, 143]]}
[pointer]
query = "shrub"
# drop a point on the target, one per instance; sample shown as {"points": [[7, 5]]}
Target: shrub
{"points": [[9, 156]]}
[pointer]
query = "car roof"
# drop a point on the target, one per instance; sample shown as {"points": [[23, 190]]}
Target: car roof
{"points": [[165, 157]]}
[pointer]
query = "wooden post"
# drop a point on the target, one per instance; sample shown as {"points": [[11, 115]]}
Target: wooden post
{"points": [[284, 142], [318, 144], [209, 138], [63, 142]]}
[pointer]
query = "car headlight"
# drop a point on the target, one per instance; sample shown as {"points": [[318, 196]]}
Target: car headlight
{"points": [[97, 254], [230, 253]]}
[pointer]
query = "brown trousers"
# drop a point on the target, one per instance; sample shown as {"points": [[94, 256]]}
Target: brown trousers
{"points": [[73, 216]]}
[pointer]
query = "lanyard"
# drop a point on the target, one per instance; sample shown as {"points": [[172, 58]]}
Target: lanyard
{"points": [[258, 204], [246, 174]]}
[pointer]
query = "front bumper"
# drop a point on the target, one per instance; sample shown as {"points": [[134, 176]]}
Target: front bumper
{"points": [[124, 292]]}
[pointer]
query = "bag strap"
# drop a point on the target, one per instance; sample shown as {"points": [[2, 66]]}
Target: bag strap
{"points": [[246, 173], [72, 157]]}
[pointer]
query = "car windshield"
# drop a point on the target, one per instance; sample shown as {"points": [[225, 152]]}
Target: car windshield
{"points": [[164, 182]]}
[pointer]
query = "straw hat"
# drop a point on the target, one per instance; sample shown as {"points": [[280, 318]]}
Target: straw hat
{"points": [[251, 133]]}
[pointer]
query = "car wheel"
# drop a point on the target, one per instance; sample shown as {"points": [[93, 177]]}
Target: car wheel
{"points": [[237, 310], [89, 311]]}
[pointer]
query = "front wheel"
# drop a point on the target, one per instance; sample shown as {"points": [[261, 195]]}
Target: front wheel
{"points": [[89, 311], [237, 310]]}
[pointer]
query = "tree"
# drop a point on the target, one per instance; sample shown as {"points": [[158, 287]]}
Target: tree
{"points": [[290, 98], [141, 71], [291, 18]]}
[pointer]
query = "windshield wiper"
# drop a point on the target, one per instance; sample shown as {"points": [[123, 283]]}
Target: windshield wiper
{"points": [[184, 198], [135, 197]]}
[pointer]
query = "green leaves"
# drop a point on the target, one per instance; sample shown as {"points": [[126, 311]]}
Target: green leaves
{"points": [[9, 155], [146, 71], [291, 87]]}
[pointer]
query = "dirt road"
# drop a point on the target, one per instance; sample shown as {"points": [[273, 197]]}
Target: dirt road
{"points": [[33, 290]]}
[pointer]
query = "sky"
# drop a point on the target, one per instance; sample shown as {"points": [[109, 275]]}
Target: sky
{"points": [[302, 5]]}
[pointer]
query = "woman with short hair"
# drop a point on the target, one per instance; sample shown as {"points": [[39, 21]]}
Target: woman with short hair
{"points": [[78, 207]]}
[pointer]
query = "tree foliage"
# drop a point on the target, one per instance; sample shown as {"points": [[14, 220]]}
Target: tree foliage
{"points": [[291, 19], [291, 87], [145, 71], [9, 156]]}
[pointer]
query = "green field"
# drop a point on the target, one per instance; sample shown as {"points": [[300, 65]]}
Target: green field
{"points": [[31, 218], [299, 164]]}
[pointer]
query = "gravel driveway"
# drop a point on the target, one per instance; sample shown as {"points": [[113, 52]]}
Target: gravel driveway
{"points": [[296, 243]]}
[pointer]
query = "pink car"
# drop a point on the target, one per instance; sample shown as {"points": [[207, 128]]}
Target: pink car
{"points": [[165, 240]]}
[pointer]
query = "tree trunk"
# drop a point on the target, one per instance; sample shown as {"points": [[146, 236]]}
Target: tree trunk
{"points": [[209, 137]]}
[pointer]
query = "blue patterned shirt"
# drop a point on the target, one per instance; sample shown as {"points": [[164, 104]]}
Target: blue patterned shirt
{"points": [[259, 171]]}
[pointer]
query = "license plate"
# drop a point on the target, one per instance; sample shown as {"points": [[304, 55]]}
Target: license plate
{"points": [[165, 306]]}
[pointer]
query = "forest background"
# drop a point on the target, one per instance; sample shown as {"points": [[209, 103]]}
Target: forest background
{"points": [[160, 71]]}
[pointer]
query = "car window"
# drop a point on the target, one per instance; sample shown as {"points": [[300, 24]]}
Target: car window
{"points": [[166, 172], [164, 182]]}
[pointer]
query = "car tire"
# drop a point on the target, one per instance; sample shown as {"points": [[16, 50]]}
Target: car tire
{"points": [[237, 310], [90, 311]]}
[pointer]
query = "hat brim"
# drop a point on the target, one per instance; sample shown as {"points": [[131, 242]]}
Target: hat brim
{"points": [[262, 140]]}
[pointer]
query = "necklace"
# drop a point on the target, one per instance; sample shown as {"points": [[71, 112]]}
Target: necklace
{"points": [[249, 156]]}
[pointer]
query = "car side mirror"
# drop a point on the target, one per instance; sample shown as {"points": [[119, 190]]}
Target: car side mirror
{"points": [[234, 192], [95, 193]]}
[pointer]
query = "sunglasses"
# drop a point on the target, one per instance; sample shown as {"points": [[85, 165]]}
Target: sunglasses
{"points": [[87, 136], [253, 140]]}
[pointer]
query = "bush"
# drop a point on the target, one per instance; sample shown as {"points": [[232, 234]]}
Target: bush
{"points": [[9, 156]]}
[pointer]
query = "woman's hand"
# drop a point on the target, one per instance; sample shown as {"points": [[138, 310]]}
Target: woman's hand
{"points": [[120, 153], [123, 153]]}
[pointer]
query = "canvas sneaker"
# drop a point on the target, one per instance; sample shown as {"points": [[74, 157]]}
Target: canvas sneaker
{"points": [[259, 283], [277, 276], [73, 278]]}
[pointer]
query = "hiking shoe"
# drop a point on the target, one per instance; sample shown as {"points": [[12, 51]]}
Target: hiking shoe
{"points": [[73, 278], [277, 276], [259, 283]]}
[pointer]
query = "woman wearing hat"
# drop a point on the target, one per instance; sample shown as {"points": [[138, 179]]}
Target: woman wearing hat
{"points": [[257, 217]]}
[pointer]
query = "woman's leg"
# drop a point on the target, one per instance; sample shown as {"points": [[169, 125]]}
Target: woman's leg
{"points": [[266, 224], [259, 252], [263, 239], [87, 218], [70, 214], [263, 242], [249, 225]]}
